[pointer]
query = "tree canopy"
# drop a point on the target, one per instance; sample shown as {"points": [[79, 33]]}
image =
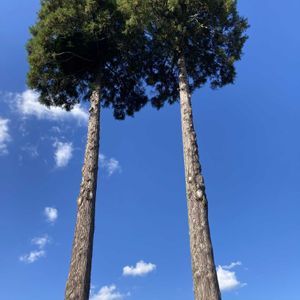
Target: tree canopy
{"points": [[78, 43], [209, 34]]}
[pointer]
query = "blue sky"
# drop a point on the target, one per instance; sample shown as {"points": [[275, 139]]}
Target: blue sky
{"points": [[249, 144]]}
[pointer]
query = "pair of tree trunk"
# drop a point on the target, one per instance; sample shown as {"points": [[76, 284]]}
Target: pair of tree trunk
{"points": [[203, 267]]}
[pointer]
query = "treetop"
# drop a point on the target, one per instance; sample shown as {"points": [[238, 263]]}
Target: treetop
{"points": [[209, 34], [78, 43]]}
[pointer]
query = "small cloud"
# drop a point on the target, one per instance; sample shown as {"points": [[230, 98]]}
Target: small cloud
{"points": [[41, 242], [141, 269], [227, 279], [63, 153], [4, 136], [51, 214], [232, 265], [28, 105], [56, 129], [108, 293], [32, 256], [111, 165], [31, 150], [22, 129]]}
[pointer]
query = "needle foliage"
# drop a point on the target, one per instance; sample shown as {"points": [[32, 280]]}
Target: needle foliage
{"points": [[76, 44], [210, 34]]}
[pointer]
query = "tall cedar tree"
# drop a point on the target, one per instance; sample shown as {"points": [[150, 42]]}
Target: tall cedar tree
{"points": [[192, 42], [79, 50]]}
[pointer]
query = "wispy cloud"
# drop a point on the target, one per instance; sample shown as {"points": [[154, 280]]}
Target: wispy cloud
{"points": [[227, 278], [63, 153], [232, 265], [4, 135], [36, 254], [111, 165], [108, 293], [28, 105], [31, 150], [32, 256], [41, 242], [51, 214], [140, 269]]}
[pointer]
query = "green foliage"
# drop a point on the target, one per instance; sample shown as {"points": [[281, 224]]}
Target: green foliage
{"points": [[78, 43], [208, 33]]}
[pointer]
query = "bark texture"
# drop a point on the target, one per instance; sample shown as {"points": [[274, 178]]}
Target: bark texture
{"points": [[205, 280], [78, 284]]}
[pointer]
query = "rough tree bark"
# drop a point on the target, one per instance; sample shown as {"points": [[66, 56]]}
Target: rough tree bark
{"points": [[205, 280], [78, 284]]}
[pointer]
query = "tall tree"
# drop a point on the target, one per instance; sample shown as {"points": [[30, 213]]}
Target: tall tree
{"points": [[192, 42], [80, 51]]}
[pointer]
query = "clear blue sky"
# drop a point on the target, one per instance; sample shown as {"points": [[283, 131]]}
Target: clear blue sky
{"points": [[249, 143]]}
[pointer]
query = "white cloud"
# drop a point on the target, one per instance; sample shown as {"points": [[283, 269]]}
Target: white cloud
{"points": [[232, 265], [111, 165], [41, 242], [27, 104], [63, 153], [4, 135], [31, 150], [141, 269], [51, 214], [227, 279], [108, 293], [32, 256]]}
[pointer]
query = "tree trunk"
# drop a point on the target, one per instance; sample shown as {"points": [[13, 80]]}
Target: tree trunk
{"points": [[78, 284], [205, 280]]}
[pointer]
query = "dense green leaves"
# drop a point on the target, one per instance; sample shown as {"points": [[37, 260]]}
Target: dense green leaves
{"points": [[78, 42], [208, 33], [124, 42]]}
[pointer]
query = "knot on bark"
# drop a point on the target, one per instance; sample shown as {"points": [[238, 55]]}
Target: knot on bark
{"points": [[199, 195], [79, 201]]}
